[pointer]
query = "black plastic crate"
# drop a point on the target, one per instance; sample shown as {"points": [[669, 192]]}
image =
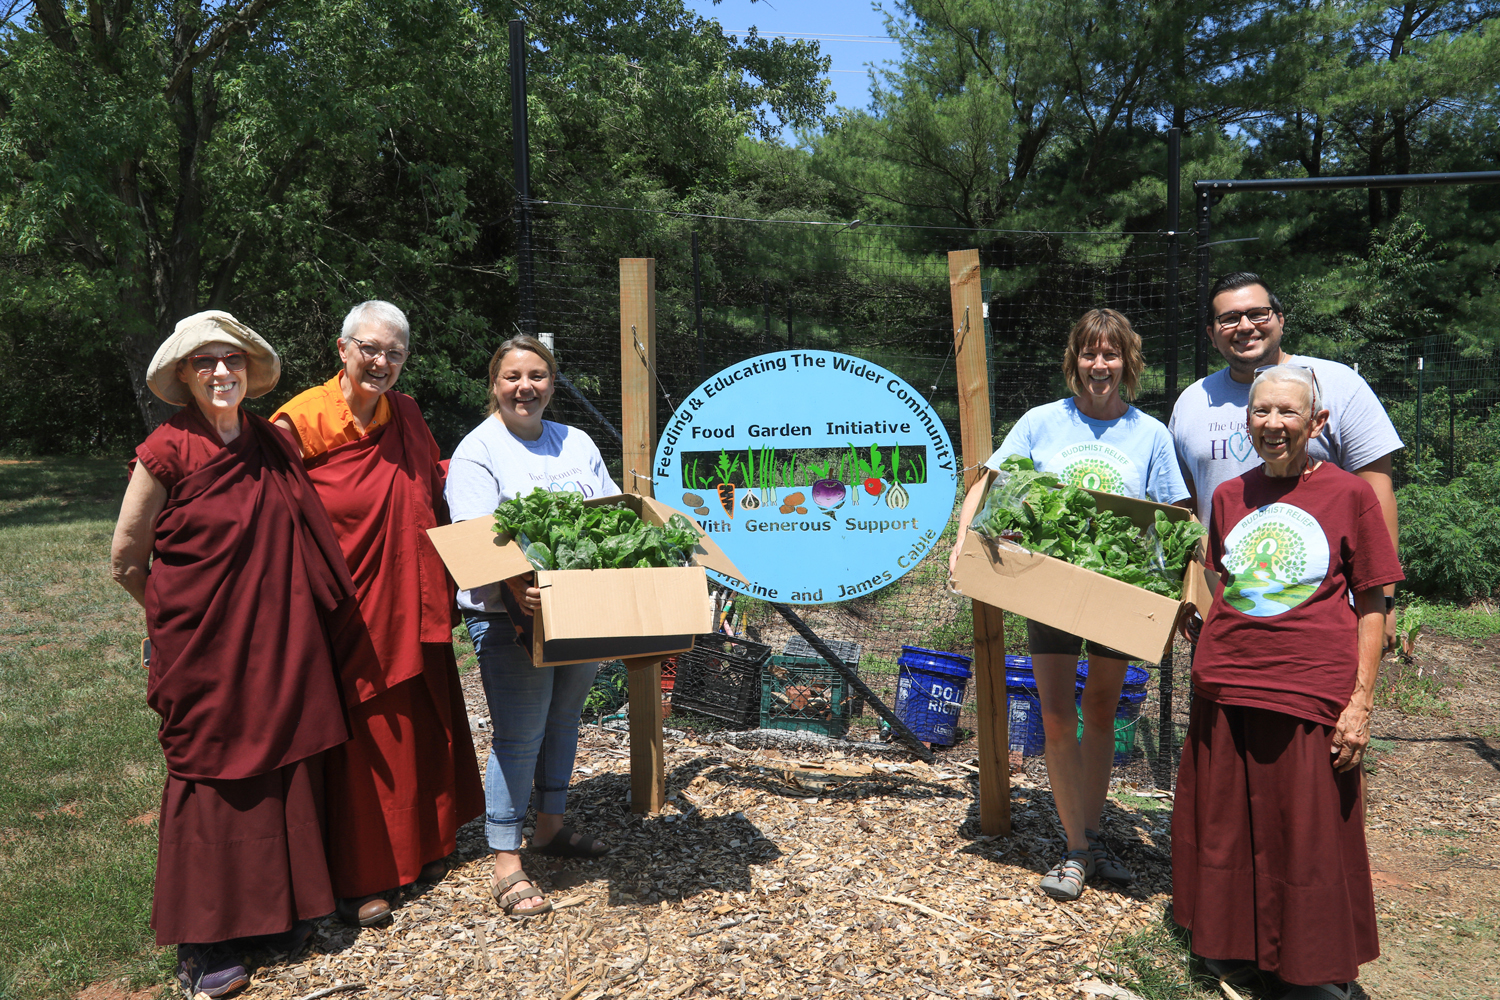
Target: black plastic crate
{"points": [[720, 678], [800, 650]]}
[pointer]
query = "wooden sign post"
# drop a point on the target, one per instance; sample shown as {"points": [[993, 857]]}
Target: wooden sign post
{"points": [[965, 292], [648, 783]]}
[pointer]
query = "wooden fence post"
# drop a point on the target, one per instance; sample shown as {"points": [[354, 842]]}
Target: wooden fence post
{"points": [[637, 372], [991, 710], [648, 784]]}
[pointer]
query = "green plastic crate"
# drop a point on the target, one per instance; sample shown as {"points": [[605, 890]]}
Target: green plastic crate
{"points": [[799, 696]]}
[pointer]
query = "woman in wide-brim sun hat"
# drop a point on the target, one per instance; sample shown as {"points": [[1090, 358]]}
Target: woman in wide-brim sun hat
{"points": [[223, 541]]}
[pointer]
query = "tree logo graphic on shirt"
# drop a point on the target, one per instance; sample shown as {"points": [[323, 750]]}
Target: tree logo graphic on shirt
{"points": [[1278, 556], [1094, 466]]}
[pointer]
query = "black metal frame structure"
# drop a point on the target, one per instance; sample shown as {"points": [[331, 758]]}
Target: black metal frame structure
{"points": [[1210, 192]]}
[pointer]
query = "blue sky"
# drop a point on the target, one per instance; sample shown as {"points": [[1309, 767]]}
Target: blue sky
{"points": [[851, 32]]}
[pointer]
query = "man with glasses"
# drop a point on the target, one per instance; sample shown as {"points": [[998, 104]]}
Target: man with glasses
{"points": [[1208, 423]]}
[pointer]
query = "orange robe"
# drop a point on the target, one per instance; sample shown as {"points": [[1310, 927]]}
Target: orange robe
{"points": [[408, 778]]}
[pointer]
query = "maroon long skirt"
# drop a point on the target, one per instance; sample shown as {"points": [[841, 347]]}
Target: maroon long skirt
{"points": [[1268, 847], [398, 791], [241, 858]]}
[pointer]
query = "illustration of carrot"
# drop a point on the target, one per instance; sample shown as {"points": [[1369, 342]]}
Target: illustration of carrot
{"points": [[726, 498]]}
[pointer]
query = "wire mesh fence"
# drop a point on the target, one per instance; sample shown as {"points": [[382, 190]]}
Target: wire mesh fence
{"points": [[728, 289]]}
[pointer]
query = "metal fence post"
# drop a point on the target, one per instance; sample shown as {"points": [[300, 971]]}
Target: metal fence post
{"points": [[520, 142], [1174, 216], [1205, 279]]}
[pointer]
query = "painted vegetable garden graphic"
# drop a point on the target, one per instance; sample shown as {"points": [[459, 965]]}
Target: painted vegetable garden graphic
{"points": [[876, 475], [821, 475], [1278, 556]]}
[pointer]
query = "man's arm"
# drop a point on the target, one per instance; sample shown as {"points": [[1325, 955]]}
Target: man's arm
{"points": [[1378, 475]]}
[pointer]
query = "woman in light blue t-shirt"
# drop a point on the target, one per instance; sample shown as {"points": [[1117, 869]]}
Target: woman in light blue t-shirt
{"points": [[534, 711], [1096, 440]]}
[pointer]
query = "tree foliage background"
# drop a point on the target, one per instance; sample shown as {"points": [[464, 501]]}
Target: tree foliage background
{"points": [[285, 159]]}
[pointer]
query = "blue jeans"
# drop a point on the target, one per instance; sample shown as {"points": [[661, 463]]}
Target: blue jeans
{"points": [[534, 715]]}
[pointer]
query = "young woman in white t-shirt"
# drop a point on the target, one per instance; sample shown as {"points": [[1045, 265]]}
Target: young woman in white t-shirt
{"points": [[534, 711]]}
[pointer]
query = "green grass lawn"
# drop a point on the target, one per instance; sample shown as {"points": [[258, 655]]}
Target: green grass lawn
{"points": [[80, 769]]}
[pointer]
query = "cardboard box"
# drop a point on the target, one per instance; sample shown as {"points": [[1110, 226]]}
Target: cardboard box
{"points": [[1099, 608], [593, 614]]}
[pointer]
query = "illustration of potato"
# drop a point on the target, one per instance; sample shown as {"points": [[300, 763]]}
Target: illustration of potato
{"points": [[701, 511], [692, 500]]}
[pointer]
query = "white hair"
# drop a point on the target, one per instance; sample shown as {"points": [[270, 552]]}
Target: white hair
{"points": [[1298, 374], [376, 311]]}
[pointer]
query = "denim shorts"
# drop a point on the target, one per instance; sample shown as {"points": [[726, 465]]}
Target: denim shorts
{"points": [[1045, 639]]}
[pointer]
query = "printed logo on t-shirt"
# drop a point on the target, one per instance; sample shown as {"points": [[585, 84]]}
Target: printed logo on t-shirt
{"points": [[1277, 555], [1094, 466]]}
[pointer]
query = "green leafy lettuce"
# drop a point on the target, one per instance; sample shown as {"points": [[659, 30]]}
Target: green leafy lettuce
{"points": [[1037, 511], [557, 531]]}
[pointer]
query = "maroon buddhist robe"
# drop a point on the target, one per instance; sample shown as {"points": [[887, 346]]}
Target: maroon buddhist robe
{"points": [[245, 569], [398, 791]]}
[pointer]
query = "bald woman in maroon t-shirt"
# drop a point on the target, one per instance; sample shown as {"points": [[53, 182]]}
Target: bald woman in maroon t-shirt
{"points": [[1284, 679]]}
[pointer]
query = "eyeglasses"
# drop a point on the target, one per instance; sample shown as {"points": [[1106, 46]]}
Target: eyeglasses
{"points": [[205, 364], [394, 355], [1259, 316], [1317, 398]]}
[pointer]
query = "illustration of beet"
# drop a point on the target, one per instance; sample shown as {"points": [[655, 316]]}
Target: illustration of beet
{"points": [[726, 498], [692, 500], [750, 501], [828, 494], [897, 498], [873, 486]]}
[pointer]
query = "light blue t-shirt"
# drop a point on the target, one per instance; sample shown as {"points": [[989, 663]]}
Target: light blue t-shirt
{"points": [[1131, 455], [492, 464]]}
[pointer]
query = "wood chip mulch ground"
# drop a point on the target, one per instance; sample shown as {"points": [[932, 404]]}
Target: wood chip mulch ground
{"points": [[768, 874]]}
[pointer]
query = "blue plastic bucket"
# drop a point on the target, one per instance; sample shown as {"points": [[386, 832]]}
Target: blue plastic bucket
{"points": [[1136, 678], [1127, 714], [930, 692], [1024, 709]]}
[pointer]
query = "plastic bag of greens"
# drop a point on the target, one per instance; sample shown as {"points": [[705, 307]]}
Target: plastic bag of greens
{"points": [[1172, 545]]}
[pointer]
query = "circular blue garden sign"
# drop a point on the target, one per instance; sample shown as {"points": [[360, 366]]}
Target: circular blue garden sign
{"points": [[822, 476]]}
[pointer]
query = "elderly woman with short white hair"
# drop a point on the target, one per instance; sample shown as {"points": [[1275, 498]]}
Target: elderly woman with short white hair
{"points": [[1269, 865], [407, 779], [223, 541]]}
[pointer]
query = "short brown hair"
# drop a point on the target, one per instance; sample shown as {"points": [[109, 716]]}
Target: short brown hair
{"points": [[520, 342], [1105, 326]]}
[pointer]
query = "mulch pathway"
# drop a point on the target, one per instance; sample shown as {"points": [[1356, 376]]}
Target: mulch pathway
{"points": [[768, 874]]}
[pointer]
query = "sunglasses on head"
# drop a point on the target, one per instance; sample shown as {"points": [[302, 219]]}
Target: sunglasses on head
{"points": [[204, 364]]}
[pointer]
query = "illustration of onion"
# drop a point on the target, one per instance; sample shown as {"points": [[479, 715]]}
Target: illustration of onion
{"points": [[828, 493], [897, 497], [873, 486], [750, 501]]}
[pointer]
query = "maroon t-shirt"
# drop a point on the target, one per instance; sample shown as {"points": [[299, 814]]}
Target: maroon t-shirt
{"points": [[1281, 633]]}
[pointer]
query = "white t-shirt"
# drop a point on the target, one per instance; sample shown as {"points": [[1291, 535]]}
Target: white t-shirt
{"points": [[1130, 455], [492, 464], [1210, 428]]}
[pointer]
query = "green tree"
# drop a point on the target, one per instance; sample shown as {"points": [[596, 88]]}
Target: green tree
{"points": [[286, 158]]}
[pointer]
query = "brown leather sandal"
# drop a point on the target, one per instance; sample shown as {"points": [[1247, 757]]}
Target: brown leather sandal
{"points": [[510, 901]]}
